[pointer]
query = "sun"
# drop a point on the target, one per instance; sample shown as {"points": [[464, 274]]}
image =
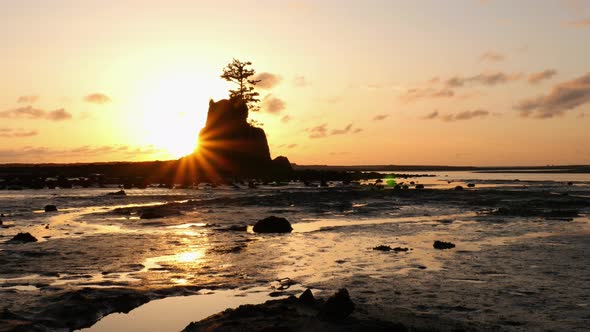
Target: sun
{"points": [[174, 109]]}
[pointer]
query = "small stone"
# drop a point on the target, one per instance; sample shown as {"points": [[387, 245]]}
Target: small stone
{"points": [[382, 248], [273, 224], [50, 208], [458, 188], [443, 245]]}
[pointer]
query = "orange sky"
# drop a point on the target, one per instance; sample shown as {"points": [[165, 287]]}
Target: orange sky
{"points": [[463, 82]]}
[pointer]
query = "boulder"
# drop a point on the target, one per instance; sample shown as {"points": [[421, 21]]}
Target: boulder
{"points": [[458, 188], [419, 186], [307, 298], [471, 185], [50, 208], [23, 238], [338, 306], [273, 224], [443, 245]]}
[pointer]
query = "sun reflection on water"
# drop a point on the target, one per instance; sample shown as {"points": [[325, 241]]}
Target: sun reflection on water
{"points": [[191, 256]]}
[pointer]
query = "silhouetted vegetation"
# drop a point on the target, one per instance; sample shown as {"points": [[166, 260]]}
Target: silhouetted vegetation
{"points": [[238, 73]]}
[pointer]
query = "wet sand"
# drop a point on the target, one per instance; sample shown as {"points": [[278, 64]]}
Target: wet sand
{"points": [[520, 260]]}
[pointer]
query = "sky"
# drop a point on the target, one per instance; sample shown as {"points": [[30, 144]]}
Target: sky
{"points": [[422, 82]]}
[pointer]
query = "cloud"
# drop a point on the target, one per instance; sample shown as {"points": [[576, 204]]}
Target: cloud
{"points": [[267, 80], [535, 78], [300, 81], [17, 133], [86, 152], [29, 112], [343, 131], [291, 146], [30, 99], [97, 98], [466, 115], [380, 117], [286, 119], [491, 56], [357, 130], [431, 116], [562, 97], [415, 94], [320, 131], [487, 79], [580, 23], [273, 104]]}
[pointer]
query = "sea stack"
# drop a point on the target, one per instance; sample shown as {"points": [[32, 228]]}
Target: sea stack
{"points": [[233, 147]]}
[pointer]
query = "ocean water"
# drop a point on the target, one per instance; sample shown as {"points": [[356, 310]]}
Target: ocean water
{"points": [[510, 271]]}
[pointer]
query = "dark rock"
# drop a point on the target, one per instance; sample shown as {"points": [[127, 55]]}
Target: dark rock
{"points": [[307, 298], [338, 306], [118, 193], [50, 208], [235, 228], [400, 249], [382, 248], [458, 188], [471, 185], [419, 186], [156, 213], [443, 245], [23, 238], [570, 183], [273, 224]]}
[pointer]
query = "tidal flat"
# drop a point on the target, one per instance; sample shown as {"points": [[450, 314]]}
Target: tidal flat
{"points": [[520, 260]]}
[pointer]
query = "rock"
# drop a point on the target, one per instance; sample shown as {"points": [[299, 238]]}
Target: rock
{"points": [[400, 249], [338, 306], [419, 186], [118, 193], [471, 185], [307, 298], [273, 224], [382, 248], [23, 238], [235, 228], [458, 188], [151, 214], [443, 245], [50, 208], [570, 183]]}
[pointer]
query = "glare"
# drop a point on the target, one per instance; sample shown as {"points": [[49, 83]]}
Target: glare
{"points": [[187, 257], [174, 109]]}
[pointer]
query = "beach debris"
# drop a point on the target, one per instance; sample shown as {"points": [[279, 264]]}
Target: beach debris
{"points": [[338, 306], [307, 298], [50, 208], [273, 224], [23, 238], [459, 188], [285, 283], [118, 193], [471, 185], [443, 245]]}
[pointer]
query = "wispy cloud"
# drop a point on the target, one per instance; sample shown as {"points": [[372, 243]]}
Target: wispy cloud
{"points": [[286, 119], [486, 79], [17, 133], [272, 104], [320, 131], [491, 56], [342, 131], [30, 112], [563, 97], [267, 80], [535, 78], [585, 23], [460, 116], [415, 94], [380, 117], [86, 152], [431, 116], [30, 99], [97, 98]]}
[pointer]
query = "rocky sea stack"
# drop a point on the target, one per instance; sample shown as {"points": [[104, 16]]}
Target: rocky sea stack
{"points": [[233, 147]]}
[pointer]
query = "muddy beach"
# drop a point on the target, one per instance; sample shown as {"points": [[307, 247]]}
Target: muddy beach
{"points": [[519, 261]]}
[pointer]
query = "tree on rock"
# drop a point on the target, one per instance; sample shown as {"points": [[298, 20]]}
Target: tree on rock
{"points": [[238, 72]]}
